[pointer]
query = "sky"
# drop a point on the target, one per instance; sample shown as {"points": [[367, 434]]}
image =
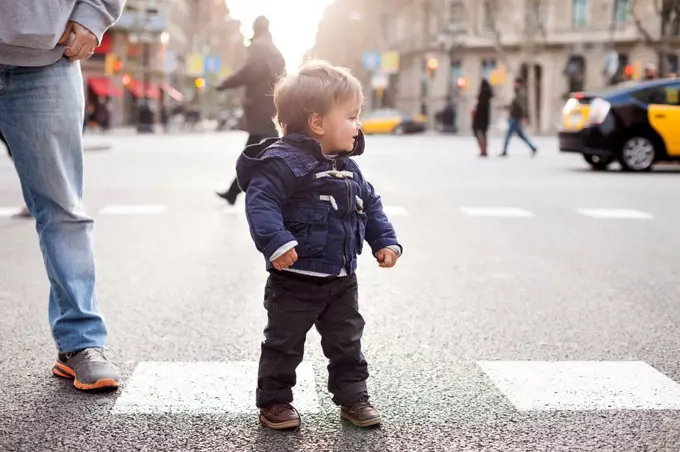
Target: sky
{"points": [[293, 23]]}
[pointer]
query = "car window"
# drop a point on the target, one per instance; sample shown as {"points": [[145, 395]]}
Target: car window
{"points": [[660, 95]]}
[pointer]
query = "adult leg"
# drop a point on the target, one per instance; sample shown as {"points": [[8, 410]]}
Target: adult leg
{"points": [[525, 138], [41, 114], [512, 127]]}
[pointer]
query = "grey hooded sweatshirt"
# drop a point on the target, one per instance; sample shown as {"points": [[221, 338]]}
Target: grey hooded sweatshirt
{"points": [[30, 29]]}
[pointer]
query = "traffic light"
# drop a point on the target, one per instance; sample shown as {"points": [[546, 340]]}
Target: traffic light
{"points": [[628, 71], [112, 65], [432, 65]]}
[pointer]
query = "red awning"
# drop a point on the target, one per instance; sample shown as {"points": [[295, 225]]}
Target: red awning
{"points": [[139, 89], [102, 86], [106, 46], [172, 92]]}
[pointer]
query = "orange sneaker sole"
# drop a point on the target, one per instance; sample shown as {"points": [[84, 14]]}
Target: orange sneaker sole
{"points": [[63, 371]]}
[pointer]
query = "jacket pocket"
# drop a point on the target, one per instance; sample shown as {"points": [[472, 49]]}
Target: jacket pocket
{"points": [[309, 226], [36, 24]]}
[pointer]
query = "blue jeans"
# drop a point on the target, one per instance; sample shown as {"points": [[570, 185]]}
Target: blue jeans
{"points": [[515, 126], [41, 118]]}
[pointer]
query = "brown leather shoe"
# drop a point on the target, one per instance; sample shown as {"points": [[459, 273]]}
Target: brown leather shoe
{"points": [[280, 416], [361, 414]]}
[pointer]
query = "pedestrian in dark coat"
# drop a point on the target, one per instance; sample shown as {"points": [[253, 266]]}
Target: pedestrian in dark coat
{"points": [[263, 67], [482, 116]]}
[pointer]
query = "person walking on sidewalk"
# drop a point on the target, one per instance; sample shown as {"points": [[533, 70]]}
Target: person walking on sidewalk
{"points": [[518, 116], [264, 65], [41, 118], [482, 116]]}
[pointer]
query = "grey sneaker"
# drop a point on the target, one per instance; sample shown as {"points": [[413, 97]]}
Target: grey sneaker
{"points": [[89, 369]]}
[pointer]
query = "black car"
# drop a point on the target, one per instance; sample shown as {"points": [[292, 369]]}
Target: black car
{"points": [[635, 124]]}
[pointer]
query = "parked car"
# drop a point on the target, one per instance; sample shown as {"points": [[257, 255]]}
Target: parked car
{"points": [[388, 120], [636, 124]]}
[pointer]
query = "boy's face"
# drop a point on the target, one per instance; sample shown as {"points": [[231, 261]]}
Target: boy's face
{"points": [[339, 127]]}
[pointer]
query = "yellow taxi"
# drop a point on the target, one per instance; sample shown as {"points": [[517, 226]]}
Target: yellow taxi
{"points": [[636, 124], [389, 120]]}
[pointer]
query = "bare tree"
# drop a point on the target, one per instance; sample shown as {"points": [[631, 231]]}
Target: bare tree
{"points": [[533, 31], [661, 29], [491, 10]]}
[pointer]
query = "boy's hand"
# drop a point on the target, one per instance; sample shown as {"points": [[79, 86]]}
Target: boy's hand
{"points": [[386, 258], [286, 260]]}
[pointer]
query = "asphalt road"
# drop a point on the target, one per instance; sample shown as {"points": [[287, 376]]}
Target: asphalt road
{"points": [[535, 307]]}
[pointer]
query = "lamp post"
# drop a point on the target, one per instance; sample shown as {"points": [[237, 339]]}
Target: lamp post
{"points": [[144, 34]]}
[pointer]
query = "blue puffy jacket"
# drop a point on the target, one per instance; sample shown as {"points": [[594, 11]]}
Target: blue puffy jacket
{"points": [[295, 193]]}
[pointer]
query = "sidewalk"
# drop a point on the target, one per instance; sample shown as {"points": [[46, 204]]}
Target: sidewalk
{"points": [[95, 140]]}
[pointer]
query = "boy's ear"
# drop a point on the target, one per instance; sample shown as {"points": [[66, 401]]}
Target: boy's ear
{"points": [[315, 123]]}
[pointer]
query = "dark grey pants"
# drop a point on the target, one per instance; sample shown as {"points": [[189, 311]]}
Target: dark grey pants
{"points": [[294, 304]]}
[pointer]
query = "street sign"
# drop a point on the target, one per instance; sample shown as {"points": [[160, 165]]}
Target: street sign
{"points": [[371, 61], [194, 64], [611, 63], [389, 62], [379, 81], [211, 64], [170, 62]]}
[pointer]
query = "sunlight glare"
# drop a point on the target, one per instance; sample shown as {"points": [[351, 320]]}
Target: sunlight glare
{"points": [[293, 23]]}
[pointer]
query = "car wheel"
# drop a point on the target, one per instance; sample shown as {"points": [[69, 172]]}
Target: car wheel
{"points": [[598, 163], [399, 130], [637, 154]]}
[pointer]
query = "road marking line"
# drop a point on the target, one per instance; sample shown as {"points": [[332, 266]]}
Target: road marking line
{"points": [[204, 387], [627, 214], [583, 385], [389, 210], [507, 212], [395, 211], [9, 211], [132, 210]]}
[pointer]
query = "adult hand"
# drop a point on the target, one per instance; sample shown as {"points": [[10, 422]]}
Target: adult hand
{"points": [[83, 43]]}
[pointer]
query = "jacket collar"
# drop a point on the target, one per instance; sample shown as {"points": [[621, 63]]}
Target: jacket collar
{"points": [[308, 144]]}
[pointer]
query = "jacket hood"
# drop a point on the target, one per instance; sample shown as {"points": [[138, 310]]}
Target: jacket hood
{"points": [[251, 156]]}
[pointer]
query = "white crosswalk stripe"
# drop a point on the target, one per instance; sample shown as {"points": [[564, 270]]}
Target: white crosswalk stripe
{"points": [[204, 388], [583, 385], [133, 210], [395, 211], [9, 211], [624, 214], [197, 388], [389, 210], [503, 212]]}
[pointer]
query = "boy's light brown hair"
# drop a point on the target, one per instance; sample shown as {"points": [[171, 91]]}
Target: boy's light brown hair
{"points": [[316, 88]]}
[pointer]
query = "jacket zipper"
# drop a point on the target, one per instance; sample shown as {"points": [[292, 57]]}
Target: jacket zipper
{"points": [[344, 228]]}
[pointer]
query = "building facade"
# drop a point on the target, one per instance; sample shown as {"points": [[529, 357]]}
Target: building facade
{"points": [[150, 55], [446, 47]]}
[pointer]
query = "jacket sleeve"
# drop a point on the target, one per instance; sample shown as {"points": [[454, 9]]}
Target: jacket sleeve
{"points": [[97, 15], [379, 231], [265, 198]]}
